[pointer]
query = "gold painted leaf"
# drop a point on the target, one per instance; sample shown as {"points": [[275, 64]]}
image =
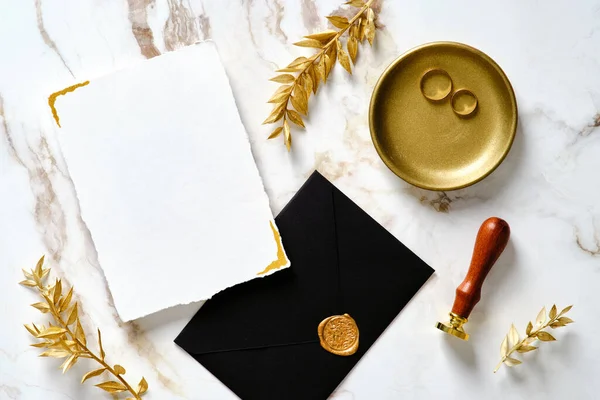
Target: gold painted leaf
{"points": [[309, 43], [92, 374], [291, 69], [370, 28], [285, 78], [27, 275], [51, 332], [553, 312], [142, 387], [45, 272], [541, 317], [79, 333], [329, 63], [112, 386], [565, 310], [28, 282], [55, 353], [295, 118], [565, 320], [513, 336], [313, 77], [57, 291], [343, 58], [298, 105], [300, 100], [41, 344], [43, 307], [276, 133], [69, 363], [119, 370], [338, 22], [526, 349], [281, 93], [362, 29], [332, 58], [504, 347], [355, 3], [545, 336], [529, 328], [370, 16], [287, 137], [38, 267], [300, 61], [352, 48], [370, 33], [31, 329], [511, 362], [275, 115], [320, 69], [308, 84], [102, 353], [323, 37], [73, 314]]}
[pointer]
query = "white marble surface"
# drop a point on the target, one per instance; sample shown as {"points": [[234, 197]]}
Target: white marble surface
{"points": [[547, 188]]}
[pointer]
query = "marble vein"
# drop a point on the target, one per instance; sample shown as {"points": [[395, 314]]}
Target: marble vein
{"points": [[310, 15], [138, 17], [586, 131], [12, 392], [46, 37], [7, 134], [180, 28], [277, 12], [593, 251]]}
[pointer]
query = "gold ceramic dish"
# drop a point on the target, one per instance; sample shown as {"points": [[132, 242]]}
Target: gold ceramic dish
{"points": [[426, 143]]}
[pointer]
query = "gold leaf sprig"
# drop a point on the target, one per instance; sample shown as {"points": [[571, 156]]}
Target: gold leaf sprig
{"points": [[65, 337], [533, 332], [315, 69]]}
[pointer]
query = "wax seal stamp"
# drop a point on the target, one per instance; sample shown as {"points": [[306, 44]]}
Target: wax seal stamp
{"points": [[491, 240], [338, 335]]}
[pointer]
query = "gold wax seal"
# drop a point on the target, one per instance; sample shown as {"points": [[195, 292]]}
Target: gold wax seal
{"points": [[338, 335]]}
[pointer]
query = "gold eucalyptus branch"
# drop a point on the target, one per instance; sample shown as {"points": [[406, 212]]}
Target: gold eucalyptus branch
{"points": [[65, 338], [511, 342], [315, 69]]}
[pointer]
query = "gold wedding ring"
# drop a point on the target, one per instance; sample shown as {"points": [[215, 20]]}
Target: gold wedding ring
{"points": [[464, 102], [338, 335], [436, 84]]}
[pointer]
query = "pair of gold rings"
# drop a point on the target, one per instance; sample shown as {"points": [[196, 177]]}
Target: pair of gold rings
{"points": [[436, 86]]}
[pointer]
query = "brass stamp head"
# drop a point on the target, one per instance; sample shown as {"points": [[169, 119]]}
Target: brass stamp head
{"points": [[454, 326], [338, 335]]}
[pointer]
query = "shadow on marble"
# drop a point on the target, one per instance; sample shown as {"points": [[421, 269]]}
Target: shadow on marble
{"points": [[463, 351], [178, 315]]}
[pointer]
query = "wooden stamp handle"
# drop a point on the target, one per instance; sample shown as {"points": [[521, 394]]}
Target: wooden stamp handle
{"points": [[491, 241]]}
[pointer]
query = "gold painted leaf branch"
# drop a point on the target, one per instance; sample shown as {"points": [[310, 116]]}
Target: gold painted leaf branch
{"points": [[533, 332], [312, 71], [66, 338]]}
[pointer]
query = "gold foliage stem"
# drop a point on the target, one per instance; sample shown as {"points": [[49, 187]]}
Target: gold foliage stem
{"points": [[62, 341], [533, 332], [297, 89]]}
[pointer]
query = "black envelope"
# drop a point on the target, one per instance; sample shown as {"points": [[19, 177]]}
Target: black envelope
{"points": [[260, 337]]}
